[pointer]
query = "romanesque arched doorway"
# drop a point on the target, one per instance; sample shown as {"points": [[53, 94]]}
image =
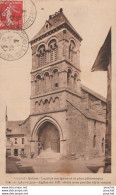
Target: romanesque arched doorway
{"points": [[48, 137]]}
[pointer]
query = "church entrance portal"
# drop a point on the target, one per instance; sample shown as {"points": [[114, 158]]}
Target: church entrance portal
{"points": [[48, 138]]}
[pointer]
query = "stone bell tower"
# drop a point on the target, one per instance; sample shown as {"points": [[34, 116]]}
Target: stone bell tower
{"points": [[55, 64], [55, 80]]}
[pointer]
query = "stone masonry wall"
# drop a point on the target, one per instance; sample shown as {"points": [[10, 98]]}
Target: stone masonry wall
{"points": [[77, 128]]}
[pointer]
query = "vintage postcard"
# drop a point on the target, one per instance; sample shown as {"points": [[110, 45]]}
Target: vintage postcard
{"points": [[57, 92]]}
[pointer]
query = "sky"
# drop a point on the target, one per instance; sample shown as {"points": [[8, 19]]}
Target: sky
{"points": [[92, 19]]}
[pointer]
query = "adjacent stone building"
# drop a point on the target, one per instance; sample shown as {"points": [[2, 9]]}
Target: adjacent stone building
{"points": [[66, 116]]}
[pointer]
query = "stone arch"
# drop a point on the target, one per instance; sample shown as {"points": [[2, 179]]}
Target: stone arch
{"points": [[46, 81], [36, 103], [41, 54], [72, 39], [76, 73], [51, 38], [38, 84], [70, 69], [55, 78], [55, 68], [38, 77], [53, 49], [46, 73], [72, 50], [42, 121], [69, 77], [42, 43]]}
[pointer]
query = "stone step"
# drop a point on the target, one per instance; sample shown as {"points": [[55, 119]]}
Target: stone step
{"points": [[48, 153]]}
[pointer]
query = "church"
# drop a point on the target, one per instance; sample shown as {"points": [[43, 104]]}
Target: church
{"points": [[65, 116]]}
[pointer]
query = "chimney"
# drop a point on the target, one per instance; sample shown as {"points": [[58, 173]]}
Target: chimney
{"points": [[61, 10]]}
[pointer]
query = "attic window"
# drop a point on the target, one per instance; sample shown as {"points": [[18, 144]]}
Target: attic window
{"points": [[47, 26]]}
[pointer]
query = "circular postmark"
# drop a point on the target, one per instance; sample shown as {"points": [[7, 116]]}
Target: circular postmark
{"points": [[13, 44], [29, 13], [18, 14]]}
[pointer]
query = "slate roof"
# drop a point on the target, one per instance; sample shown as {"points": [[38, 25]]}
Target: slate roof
{"points": [[54, 21], [95, 94], [90, 114], [13, 127]]}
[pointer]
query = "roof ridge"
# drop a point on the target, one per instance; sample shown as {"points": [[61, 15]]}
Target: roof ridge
{"points": [[86, 114], [55, 23], [96, 94]]}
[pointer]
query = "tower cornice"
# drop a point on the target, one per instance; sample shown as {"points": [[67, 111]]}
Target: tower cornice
{"points": [[56, 92], [54, 63], [63, 25]]}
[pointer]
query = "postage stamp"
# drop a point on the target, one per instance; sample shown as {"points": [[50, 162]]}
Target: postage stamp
{"points": [[11, 15], [16, 15], [13, 44]]}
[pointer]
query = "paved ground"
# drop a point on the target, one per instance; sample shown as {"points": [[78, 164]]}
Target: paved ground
{"points": [[28, 165], [13, 165], [59, 166]]}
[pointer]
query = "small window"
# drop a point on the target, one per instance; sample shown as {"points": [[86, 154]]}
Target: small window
{"points": [[102, 145], [69, 77], [15, 140], [47, 26], [8, 152], [56, 84], [15, 152], [23, 140], [8, 138], [94, 141], [22, 150]]}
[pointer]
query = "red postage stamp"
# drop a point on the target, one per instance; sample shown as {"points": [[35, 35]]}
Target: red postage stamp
{"points": [[11, 16]]}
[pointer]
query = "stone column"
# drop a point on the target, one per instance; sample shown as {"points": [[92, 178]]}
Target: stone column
{"points": [[34, 147], [63, 151]]}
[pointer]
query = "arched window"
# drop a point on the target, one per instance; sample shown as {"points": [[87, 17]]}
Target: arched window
{"points": [[75, 78], [46, 82], [53, 48], [94, 141], [41, 55], [55, 78], [69, 81], [72, 47], [102, 145], [36, 103], [47, 26], [38, 83]]}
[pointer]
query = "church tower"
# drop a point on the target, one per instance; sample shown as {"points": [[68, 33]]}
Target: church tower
{"points": [[55, 64], [55, 81]]}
